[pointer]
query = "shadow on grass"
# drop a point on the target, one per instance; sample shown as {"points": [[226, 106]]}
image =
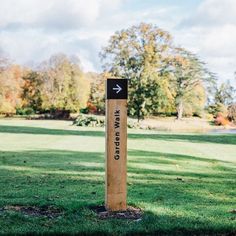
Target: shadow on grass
{"points": [[75, 180], [179, 165], [201, 138], [154, 157], [45, 131]]}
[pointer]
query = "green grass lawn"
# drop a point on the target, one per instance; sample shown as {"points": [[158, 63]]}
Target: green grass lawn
{"points": [[185, 183]]}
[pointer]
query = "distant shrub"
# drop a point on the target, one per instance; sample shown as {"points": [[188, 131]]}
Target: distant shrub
{"points": [[209, 117], [221, 120], [133, 124], [7, 109], [91, 108], [215, 109], [89, 121], [84, 110], [85, 120], [25, 111], [60, 114]]}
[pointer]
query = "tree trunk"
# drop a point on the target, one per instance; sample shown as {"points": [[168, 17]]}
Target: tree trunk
{"points": [[180, 109], [138, 113]]}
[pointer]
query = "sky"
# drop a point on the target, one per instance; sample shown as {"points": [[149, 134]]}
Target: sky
{"points": [[33, 30]]}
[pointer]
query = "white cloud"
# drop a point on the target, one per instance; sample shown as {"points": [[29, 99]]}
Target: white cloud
{"points": [[211, 33], [35, 29], [216, 12], [21, 11], [54, 14]]}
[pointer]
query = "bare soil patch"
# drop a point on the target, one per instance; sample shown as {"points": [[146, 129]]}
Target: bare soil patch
{"points": [[45, 211]]}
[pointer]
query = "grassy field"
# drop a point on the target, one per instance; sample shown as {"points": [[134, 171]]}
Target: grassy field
{"points": [[185, 183]]}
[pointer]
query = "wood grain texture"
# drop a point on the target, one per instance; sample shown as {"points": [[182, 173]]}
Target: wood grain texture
{"points": [[116, 146]]}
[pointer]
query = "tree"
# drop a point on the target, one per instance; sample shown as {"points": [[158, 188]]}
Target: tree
{"points": [[188, 78], [31, 94], [96, 103], [10, 87], [225, 93], [64, 86], [138, 54]]}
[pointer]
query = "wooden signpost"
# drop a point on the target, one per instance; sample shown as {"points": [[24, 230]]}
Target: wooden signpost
{"points": [[116, 144]]}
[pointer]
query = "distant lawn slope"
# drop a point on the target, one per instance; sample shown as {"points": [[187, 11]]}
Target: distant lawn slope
{"points": [[185, 183]]}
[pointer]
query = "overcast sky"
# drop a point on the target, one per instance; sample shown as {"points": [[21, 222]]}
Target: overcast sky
{"points": [[32, 30]]}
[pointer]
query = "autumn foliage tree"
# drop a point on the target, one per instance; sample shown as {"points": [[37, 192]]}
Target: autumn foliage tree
{"points": [[59, 84], [162, 78], [189, 78], [63, 84], [138, 54], [10, 87], [31, 91], [96, 102]]}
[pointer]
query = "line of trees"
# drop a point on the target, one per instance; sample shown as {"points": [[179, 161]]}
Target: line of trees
{"points": [[163, 79], [57, 86]]}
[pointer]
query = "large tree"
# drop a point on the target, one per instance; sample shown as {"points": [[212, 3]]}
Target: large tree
{"points": [[190, 79], [64, 86], [138, 54]]}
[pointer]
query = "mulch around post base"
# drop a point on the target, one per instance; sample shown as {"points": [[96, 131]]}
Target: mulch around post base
{"points": [[132, 213]]}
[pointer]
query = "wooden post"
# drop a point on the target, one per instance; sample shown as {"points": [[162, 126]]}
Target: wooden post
{"points": [[116, 144]]}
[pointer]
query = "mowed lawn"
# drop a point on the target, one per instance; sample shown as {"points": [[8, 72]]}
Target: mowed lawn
{"points": [[185, 183]]}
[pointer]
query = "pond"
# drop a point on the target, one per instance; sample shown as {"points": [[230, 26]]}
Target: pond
{"points": [[223, 131]]}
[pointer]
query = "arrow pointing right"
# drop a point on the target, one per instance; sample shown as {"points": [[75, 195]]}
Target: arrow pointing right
{"points": [[118, 88]]}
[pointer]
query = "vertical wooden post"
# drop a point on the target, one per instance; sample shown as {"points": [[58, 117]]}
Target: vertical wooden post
{"points": [[116, 144]]}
